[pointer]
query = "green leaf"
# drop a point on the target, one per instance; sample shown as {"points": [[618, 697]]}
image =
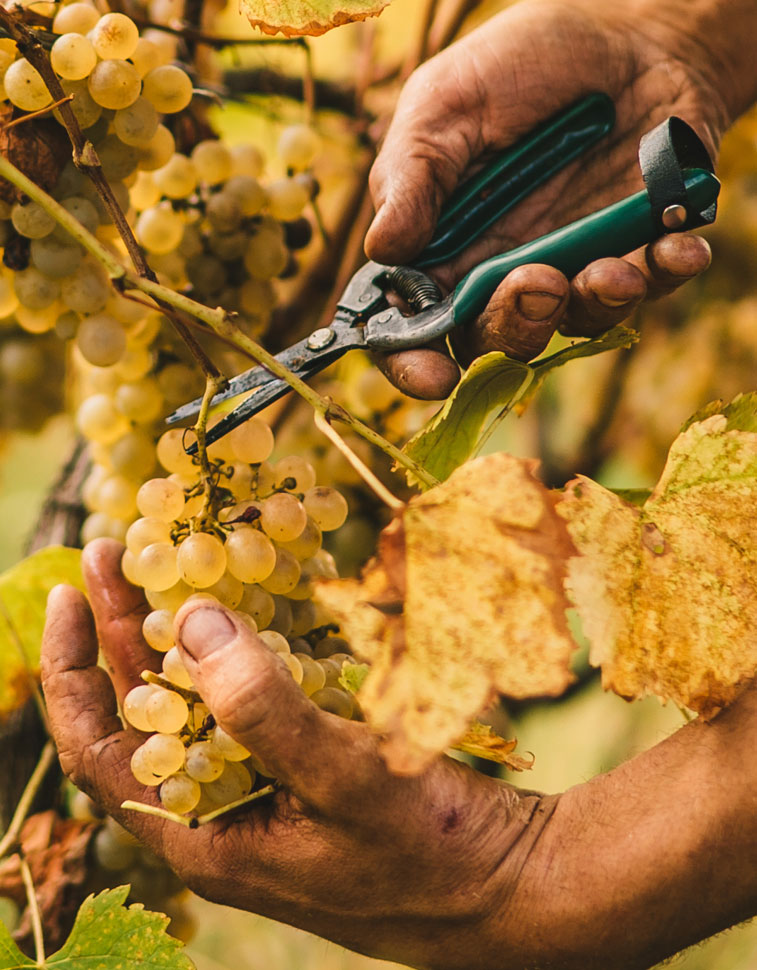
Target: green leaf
{"points": [[23, 596], [450, 437], [353, 675], [295, 18], [11, 958], [108, 935], [740, 414]]}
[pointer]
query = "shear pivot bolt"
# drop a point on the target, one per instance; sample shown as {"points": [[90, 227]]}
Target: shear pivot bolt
{"points": [[674, 216], [321, 338], [384, 317]]}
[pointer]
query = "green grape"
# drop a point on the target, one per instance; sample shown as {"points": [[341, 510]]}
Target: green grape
{"points": [[283, 517], [295, 668], [129, 566], [266, 255], [307, 543], [115, 36], [118, 161], [135, 363], [34, 290], [133, 455], [135, 706], [166, 44], [281, 622], [137, 124], [326, 507], [83, 211], [327, 646], [86, 290], [114, 84], [265, 480], [334, 700], [158, 150], [168, 87], [37, 320], [110, 854], [86, 111], [167, 712], [73, 56], [160, 229], [294, 467], [246, 160], [303, 616], [177, 178], [140, 401], [143, 532], [144, 193], [157, 567], [77, 18], [201, 560], [171, 449], [228, 590], [231, 750], [250, 556], [179, 793], [212, 162], [169, 599], [31, 220], [222, 212], [66, 325], [206, 273], [174, 669], [250, 195], [234, 783], [313, 675], [157, 629], [257, 297], [161, 499], [101, 340], [285, 575], [98, 525], [276, 642], [146, 56], [258, 604], [204, 761], [298, 146], [24, 86], [286, 199], [118, 497], [56, 258]]}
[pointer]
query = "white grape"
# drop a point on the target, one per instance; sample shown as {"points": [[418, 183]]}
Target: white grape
{"points": [[174, 669], [73, 57], [326, 506], [77, 18], [168, 88], [283, 517], [201, 560], [179, 793], [212, 161], [157, 567], [231, 750], [298, 146], [135, 706], [115, 36], [143, 532], [157, 629], [24, 86], [250, 555], [234, 783], [204, 761], [163, 753], [160, 498]]}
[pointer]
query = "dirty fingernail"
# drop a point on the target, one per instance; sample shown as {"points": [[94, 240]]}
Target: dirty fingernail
{"points": [[206, 630], [537, 306]]}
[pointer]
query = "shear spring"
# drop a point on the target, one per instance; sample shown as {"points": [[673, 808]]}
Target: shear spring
{"points": [[412, 285]]}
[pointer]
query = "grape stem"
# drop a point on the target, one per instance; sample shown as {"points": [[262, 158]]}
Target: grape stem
{"points": [[37, 114], [46, 759], [86, 159], [34, 914], [212, 386], [218, 319], [195, 821], [323, 423], [189, 695]]}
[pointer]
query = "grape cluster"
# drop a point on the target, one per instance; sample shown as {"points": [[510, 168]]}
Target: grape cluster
{"points": [[250, 538]]}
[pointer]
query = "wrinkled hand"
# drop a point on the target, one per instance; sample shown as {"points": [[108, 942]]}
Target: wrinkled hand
{"points": [[482, 94], [378, 863], [449, 870]]}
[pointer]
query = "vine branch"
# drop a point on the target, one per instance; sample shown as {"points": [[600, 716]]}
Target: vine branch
{"points": [[46, 759]]}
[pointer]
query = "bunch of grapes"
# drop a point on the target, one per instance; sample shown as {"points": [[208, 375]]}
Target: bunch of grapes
{"points": [[249, 538]]}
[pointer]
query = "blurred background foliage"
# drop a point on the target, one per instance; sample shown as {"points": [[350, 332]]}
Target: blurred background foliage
{"points": [[611, 417]]}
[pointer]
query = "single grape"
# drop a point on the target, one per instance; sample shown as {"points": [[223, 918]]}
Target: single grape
{"points": [[34, 290], [167, 712], [246, 160], [118, 497], [174, 669], [83, 211], [169, 599], [298, 146], [135, 706], [283, 517], [77, 18], [157, 566], [294, 474], [101, 340], [201, 559], [168, 88], [250, 555], [334, 700], [275, 641], [228, 590], [177, 178], [179, 793], [234, 783], [86, 290], [326, 507], [110, 854], [144, 193], [86, 110], [98, 419], [136, 124], [172, 454], [204, 761], [140, 401], [161, 498], [143, 532], [251, 441], [222, 212], [115, 36], [25, 87], [133, 455], [163, 753], [114, 84], [31, 220], [54, 257], [307, 543], [250, 195], [295, 667], [266, 254], [160, 228], [212, 162], [313, 675], [281, 621], [258, 604], [73, 56], [286, 199], [146, 56], [231, 750], [157, 629]]}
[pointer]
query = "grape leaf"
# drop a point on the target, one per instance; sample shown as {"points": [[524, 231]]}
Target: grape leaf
{"points": [[667, 592], [482, 741], [106, 936], [40, 150], [464, 599], [23, 596], [295, 18], [353, 676], [450, 437]]}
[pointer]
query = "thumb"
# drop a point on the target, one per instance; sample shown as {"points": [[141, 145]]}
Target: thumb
{"points": [[252, 695]]}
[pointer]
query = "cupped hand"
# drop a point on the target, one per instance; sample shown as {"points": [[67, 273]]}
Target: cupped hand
{"points": [[479, 96], [382, 864]]}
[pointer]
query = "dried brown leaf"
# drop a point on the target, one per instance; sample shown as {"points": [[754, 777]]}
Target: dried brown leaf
{"points": [[295, 18], [39, 148]]}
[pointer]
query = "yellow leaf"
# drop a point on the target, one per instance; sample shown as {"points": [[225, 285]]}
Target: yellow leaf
{"points": [[482, 742], [464, 600], [667, 593], [295, 18]]}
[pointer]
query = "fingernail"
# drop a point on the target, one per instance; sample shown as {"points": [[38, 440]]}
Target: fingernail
{"points": [[206, 630], [609, 302], [538, 306]]}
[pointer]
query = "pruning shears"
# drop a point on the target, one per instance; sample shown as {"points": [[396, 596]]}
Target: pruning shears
{"points": [[681, 193]]}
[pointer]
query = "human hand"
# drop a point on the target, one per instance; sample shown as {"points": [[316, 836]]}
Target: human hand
{"points": [[482, 94], [446, 870]]}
